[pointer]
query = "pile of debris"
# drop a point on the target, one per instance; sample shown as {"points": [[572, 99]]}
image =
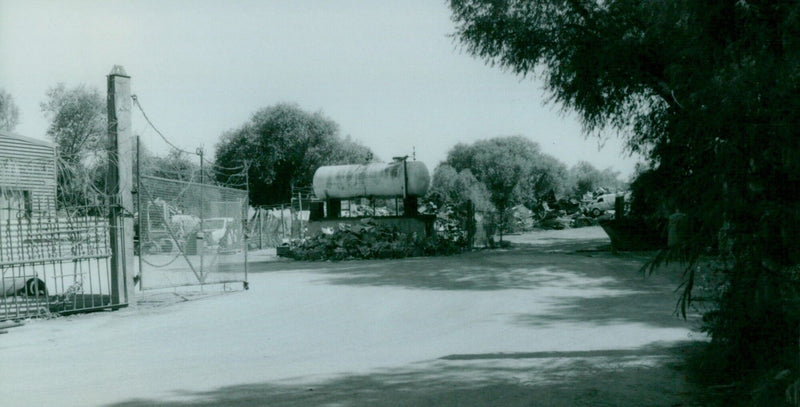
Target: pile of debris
{"points": [[561, 214], [369, 240]]}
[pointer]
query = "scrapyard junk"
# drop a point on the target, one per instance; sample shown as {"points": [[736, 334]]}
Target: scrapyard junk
{"points": [[370, 240], [22, 286]]}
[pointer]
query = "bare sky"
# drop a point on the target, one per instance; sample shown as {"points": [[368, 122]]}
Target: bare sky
{"points": [[385, 71]]}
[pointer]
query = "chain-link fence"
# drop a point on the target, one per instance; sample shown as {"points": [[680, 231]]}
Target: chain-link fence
{"points": [[275, 225], [271, 226], [190, 233]]}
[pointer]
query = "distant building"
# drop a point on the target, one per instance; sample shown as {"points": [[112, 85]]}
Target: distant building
{"points": [[27, 177]]}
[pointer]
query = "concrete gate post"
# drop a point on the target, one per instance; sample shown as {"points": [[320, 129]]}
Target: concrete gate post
{"points": [[119, 184]]}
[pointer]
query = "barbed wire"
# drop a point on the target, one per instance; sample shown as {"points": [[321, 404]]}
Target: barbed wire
{"points": [[196, 152], [171, 144], [221, 167], [153, 126], [77, 178]]}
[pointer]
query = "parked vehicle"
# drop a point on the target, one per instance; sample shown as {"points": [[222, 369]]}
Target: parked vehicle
{"points": [[220, 231], [159, 241], [600, 205]]}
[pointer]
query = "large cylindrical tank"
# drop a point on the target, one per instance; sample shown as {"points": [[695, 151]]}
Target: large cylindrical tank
{"points": [[383, 179]]}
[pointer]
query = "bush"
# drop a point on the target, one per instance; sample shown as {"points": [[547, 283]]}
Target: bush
{"points": [[753, 322]]}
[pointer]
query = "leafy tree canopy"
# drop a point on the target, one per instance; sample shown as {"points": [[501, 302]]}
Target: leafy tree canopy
{"points": [[708, 91], [701, 87], [584, 177], [77, 121], [175, 165], [78, 128], [283, 146], [513, 169], [450, 187], [9, 112]]}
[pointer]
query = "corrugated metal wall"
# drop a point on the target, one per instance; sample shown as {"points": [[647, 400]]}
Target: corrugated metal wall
{"points": [[28, 165]]}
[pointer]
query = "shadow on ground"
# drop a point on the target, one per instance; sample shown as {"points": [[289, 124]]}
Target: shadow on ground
{"points": [[607, 288], [596, 378], [479, 270], [609, 310], [648, 376]]}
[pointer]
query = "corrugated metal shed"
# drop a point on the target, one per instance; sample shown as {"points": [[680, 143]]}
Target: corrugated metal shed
{"points": [[28, 166]]}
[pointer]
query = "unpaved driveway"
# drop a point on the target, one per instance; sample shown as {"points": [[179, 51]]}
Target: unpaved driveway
{"points": [[552, 321]]}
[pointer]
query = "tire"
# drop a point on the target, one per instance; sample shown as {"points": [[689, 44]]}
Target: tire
{"points": [[596, 212], [150, 248], [167, 246], [35, 287]]}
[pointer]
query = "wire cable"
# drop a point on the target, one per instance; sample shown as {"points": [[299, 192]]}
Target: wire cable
{"points": [[136, 102], [221, 167]]}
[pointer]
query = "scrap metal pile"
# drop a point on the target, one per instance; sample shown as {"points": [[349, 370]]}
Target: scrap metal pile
{"points": [[370, 240]]}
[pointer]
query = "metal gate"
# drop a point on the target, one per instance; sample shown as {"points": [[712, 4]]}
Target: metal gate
{"points": [[53, 261], [190, 233]]}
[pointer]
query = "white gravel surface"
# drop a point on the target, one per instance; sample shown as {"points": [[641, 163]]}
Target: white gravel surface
{"points": [[315, 323]]}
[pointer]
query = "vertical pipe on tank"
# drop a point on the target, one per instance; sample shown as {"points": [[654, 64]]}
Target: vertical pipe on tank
{"points": [[405, 174], [405, 178], [334, 208]]}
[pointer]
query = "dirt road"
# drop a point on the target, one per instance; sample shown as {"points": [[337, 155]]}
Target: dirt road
{"points": [[553, 321]]}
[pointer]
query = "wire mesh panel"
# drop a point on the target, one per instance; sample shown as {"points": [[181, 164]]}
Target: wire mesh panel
{"points": [[270, 226], [190, 233], [52, 261]]}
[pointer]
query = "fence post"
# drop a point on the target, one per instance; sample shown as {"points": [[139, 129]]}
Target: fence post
{"points": [[138, 226], [283, 226], [260, 229], [300, 215], [471, 226], [119, 184], [202, 215]]}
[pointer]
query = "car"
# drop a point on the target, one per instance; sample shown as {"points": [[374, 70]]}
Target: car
{"points": [[599, 205], [219, 231]]}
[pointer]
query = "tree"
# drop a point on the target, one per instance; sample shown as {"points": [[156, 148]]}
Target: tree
{"points": [[453, 188], [584, 177], [545, 174], [283, 146], [78, 129], [455, 198], [708, 91], [175, 165], [513, 169], [9, 112]]}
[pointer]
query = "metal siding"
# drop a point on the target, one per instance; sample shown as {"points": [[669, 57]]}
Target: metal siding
{"points": [[30, 166]]}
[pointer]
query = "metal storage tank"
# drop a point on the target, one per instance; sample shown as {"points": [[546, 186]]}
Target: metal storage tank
{"points": [[379, 180]]}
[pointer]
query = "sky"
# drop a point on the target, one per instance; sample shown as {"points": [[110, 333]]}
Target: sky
{"points": [[388, 72]]}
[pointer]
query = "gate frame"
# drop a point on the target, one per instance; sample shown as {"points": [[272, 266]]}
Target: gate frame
{"points": [[146, 197]]}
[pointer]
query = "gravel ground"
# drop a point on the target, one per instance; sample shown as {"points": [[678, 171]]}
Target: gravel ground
{"points": [[555, 320]]}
